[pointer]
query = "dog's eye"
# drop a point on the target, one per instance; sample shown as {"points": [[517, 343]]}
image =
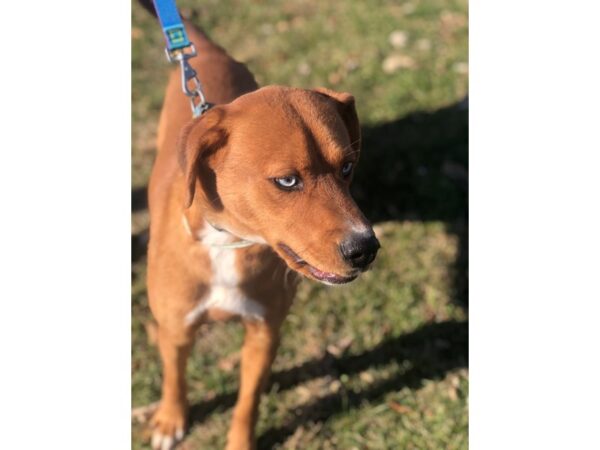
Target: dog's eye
{"points": [[347, 168], [288, 183]]}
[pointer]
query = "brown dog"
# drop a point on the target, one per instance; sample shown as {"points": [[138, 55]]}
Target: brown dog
{"points": [[255, 186]]}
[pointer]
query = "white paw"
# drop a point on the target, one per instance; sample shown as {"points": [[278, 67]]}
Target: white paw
{"points": [[166, 442]]}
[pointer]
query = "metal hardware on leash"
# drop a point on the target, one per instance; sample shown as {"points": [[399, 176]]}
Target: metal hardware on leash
{"points": [[190, 83], [180, 49]]}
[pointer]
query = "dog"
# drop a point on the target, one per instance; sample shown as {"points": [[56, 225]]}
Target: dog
{"points": [[243, 201]]}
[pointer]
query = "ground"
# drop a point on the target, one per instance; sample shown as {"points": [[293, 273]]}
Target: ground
{"points": [[381, 363]]}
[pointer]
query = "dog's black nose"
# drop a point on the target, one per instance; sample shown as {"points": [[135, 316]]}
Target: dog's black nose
{"points": [[360, 249]]}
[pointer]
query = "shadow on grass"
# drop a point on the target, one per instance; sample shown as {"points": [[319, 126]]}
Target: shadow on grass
{"points": [[416, 168], [431, 351], [139, 241], [139, 199]]}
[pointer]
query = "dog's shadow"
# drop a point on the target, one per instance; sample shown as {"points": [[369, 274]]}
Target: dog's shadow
{"points": [[431, 351], [416, 168]]}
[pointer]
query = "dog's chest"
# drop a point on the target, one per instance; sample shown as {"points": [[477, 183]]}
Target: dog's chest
{"points": [[225, 292]]}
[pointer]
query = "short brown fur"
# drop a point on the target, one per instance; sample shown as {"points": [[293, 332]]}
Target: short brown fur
{"points": [[218, 170]]}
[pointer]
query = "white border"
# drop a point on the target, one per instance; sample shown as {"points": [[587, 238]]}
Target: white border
{"points": [[65, 225], [535, 228]]}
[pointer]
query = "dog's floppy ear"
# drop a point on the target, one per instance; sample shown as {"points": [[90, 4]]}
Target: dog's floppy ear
{"points": [[347, 110], [198, 140]]}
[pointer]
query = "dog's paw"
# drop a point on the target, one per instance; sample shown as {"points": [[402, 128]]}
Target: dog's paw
{"points": [[168, 425]]}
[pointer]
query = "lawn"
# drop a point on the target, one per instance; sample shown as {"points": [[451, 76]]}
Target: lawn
{"points": [[381, 363]]}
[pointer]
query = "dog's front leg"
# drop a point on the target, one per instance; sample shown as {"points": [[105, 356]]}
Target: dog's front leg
{"points": [[258, 352], [169, 420]]}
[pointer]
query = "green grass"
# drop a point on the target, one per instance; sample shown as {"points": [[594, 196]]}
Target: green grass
{"points": [[381, 363]]}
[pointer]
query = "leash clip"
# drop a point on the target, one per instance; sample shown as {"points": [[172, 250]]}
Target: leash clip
{"points": [[190, 83]]}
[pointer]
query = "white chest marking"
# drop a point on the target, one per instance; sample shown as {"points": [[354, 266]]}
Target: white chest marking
{"points": [[224, 293]]}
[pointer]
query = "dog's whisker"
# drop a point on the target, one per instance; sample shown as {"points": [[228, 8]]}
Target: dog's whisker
{"points": [[351, 144]]}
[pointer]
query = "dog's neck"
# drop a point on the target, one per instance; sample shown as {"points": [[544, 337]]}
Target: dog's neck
{"points": [[225, 238]]}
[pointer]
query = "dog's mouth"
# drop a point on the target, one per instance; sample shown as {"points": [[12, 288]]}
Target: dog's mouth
{"points": [[319, 275]]}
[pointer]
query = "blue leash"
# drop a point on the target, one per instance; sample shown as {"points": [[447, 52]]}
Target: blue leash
{"points": [[171, 24], [179, 48]]}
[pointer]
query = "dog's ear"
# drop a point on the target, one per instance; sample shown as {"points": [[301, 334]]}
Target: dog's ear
{"points": [[198, 140], [347, 110]]}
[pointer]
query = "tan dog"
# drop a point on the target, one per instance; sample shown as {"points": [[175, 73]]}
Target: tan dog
{"points": [[266, 169]]}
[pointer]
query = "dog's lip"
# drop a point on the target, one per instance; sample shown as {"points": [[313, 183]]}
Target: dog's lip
{"points": [[329, 277], [319, 275]]}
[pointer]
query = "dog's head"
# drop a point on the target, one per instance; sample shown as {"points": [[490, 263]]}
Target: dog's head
{"points": [[275, 166]]}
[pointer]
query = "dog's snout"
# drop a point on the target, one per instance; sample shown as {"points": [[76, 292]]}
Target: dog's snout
{"points": [[360, 249]]}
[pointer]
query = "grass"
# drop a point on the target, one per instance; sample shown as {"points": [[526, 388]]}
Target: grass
{"points": [[381, 363]]}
